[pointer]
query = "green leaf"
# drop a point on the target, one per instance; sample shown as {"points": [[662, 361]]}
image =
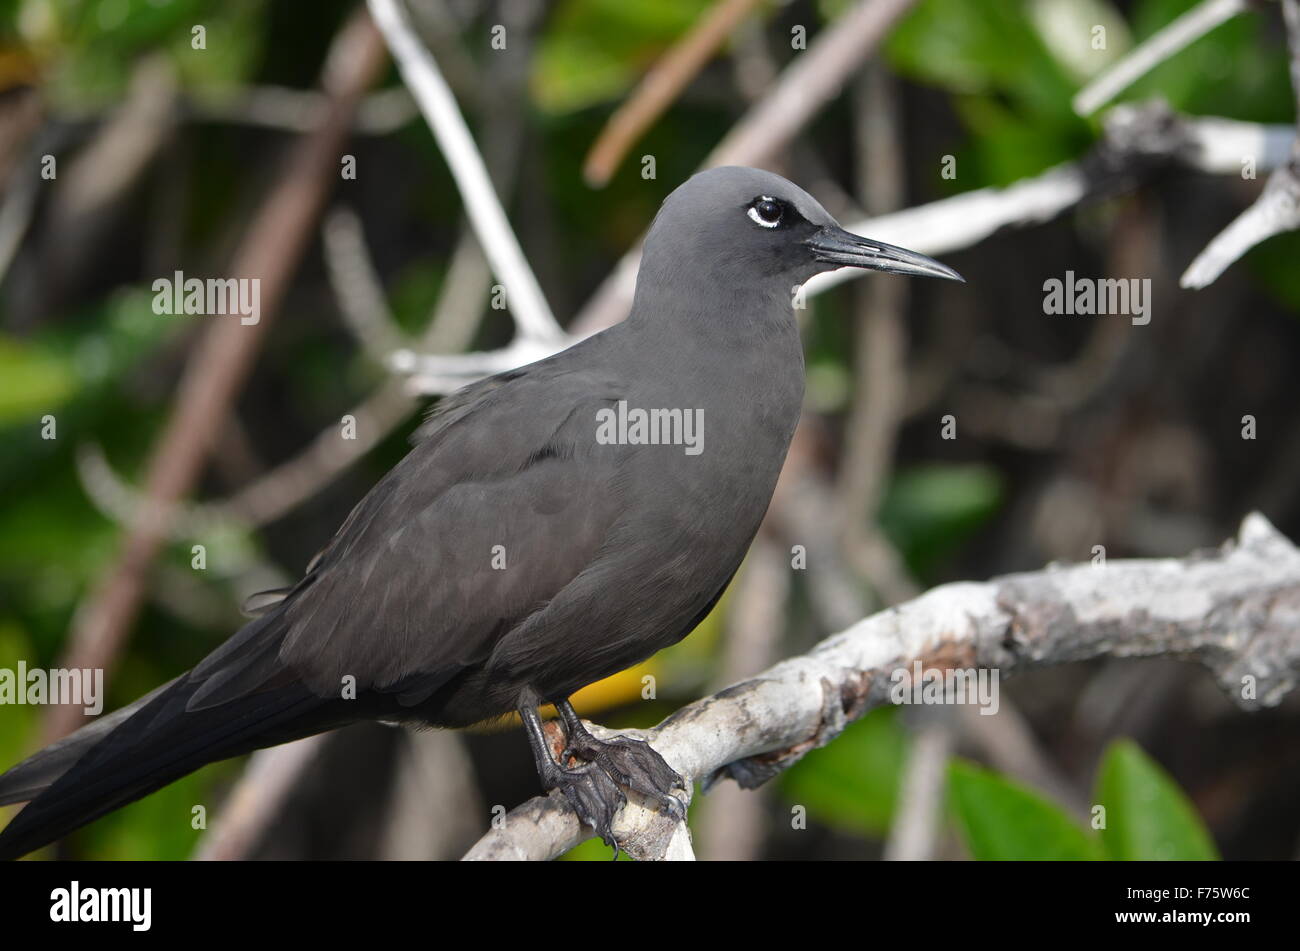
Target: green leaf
{"points": [[987, 47], [852, 784], [1012, 90], [1147, 815], [1002, 821]]}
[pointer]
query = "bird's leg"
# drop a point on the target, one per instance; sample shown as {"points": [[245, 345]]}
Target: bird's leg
{"points": [[629, 762], [594, 796]]}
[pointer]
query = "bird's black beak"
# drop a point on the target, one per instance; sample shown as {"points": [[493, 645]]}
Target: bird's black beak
{"points": [[833, 245]]}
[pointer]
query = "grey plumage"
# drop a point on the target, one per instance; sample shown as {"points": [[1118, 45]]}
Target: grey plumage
{"points": [[611, 552]]}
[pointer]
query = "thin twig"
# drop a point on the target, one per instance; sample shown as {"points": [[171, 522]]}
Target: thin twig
{"points": [[527, 304], [880, 353], [1277, 210], [914, 834], [661, 86], [275, 493], [754, 624], [1160, 46], [18, 205], [813, 79]]}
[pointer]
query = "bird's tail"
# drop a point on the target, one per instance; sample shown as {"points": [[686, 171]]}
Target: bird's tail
{"points": [[38, 772], [130, 753]]}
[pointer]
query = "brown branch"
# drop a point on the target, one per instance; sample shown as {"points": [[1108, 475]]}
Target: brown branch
{"points": [[661, 87]]}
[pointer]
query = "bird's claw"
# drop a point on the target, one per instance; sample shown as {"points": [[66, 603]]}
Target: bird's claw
{"points": [[595, 789], [593, 795]]}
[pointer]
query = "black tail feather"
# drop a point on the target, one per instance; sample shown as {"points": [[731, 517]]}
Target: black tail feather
{"points": [[156, 745]]}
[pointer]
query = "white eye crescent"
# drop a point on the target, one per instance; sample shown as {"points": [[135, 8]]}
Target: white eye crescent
{"points": [[765, 212]]}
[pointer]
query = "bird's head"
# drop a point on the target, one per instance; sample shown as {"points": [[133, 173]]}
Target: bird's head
{"points": [[739, 228]]}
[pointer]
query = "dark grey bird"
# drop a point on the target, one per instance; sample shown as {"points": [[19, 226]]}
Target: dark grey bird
{"points": [[516, 554]]}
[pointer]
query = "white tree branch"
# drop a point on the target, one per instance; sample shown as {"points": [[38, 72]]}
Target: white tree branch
{"points": [[1277, 209], [1134, 134], [1171, 39], [1235, 610], [528, 306]]}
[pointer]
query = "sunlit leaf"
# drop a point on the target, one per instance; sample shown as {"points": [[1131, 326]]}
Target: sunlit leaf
{"points": [[1147, 816]]}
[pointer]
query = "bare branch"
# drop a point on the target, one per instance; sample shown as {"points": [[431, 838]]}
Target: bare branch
{"points": [[914, 835], [1235, 610], [754, 625], [445, 373], [17, 207], [1160, 46], [880, 351], [455, 318], [812, 80], [1277, 210], [1135, 135], [527, 304]]}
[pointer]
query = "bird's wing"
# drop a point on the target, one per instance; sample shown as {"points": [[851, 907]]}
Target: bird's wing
{"points": [[500, 504]]}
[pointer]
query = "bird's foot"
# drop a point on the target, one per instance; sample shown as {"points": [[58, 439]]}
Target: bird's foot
{"points": [[633, 764], [592, 794]]}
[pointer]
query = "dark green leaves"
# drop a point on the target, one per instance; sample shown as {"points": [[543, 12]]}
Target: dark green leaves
{"points": [[999, 820], [1141, 813]]}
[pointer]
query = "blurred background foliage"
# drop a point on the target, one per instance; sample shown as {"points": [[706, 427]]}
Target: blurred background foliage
{"points": [[1149, 461]]}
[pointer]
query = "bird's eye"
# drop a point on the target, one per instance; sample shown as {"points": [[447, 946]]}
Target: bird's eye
{"points": [[765, 212]]}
